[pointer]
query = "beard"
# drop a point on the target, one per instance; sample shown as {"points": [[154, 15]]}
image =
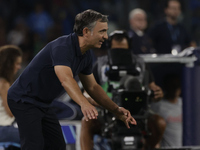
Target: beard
{"points": [[173, 17]]}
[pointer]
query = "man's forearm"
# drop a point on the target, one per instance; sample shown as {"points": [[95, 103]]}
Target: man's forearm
{"points": [[73, 90], [100, 96]]}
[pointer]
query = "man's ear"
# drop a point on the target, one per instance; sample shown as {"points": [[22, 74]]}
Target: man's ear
{"points": [[85, 31]]}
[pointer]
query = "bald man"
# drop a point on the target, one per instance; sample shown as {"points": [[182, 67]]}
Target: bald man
{"points": [[139, 40]]}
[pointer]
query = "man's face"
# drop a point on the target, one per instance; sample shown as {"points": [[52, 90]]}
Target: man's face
{"points": [[173, 10], [98, 35], [139, 22], [116, 44]]}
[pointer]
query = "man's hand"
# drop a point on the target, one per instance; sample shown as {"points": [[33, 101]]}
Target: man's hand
{"points": [[89, 111], [158, 93], [125, 116]]}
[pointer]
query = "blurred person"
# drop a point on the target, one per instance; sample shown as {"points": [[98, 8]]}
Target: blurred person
{"points": [[119, 39], [169, 34], [40, 21], [170, 108], [140, 42], [64, 12], [17, 35], [10, 63], [50, 73], [20, 36]]}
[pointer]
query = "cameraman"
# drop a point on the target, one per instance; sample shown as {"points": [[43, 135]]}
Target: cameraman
{"points": [[156, 124]]}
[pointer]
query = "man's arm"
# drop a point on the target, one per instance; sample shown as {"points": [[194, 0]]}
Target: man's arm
{"points": [[100, 96], [65, 75], [97, 93], [93, 102]]}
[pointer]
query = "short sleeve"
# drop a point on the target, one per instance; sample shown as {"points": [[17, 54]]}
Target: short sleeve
{"points": [[157, 107], [62, 55]]}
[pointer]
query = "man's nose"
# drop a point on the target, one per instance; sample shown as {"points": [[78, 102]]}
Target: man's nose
{"points": [[105, 36]]}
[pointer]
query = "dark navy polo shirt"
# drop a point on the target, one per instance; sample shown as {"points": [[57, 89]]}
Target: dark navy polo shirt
{"points": [[38, 84]]}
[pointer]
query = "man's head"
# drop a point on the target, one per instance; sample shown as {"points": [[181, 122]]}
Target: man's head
{"points": [[119, 39], [172, 86], [10, 61], [138, 19], [92, 26], [173, 9]]}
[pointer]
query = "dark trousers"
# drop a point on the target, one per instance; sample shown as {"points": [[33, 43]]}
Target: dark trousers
{"points": [[38, 127]]}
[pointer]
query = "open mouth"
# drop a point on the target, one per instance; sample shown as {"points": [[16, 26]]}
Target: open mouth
{"points": [[101, 42]]}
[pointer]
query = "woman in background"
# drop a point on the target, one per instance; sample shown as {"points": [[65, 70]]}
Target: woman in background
{"points": [[10, 63]]}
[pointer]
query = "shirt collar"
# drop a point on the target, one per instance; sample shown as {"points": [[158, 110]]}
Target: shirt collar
{"points": [[76, 44]]}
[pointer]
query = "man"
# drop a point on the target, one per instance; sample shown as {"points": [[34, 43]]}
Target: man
{"points": [[169, 34], [119, 40], [53, 70], [139, 40]]}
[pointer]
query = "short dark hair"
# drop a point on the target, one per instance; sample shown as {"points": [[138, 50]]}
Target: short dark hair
{"points": [[118, 35], [172, 83], [88, 19], [8, 56]]}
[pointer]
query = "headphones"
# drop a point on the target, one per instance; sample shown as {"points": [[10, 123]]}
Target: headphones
{"points": [[118, 34]]}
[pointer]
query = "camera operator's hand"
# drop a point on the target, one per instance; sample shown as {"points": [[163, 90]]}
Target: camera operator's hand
{"points": [[125, 116], [158, 93]]}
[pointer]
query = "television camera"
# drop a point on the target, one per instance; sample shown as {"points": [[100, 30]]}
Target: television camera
{"points": [[130, 94]]}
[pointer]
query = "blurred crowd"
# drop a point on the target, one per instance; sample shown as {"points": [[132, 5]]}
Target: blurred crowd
{"points": [[152, 26], [31, 24]]}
